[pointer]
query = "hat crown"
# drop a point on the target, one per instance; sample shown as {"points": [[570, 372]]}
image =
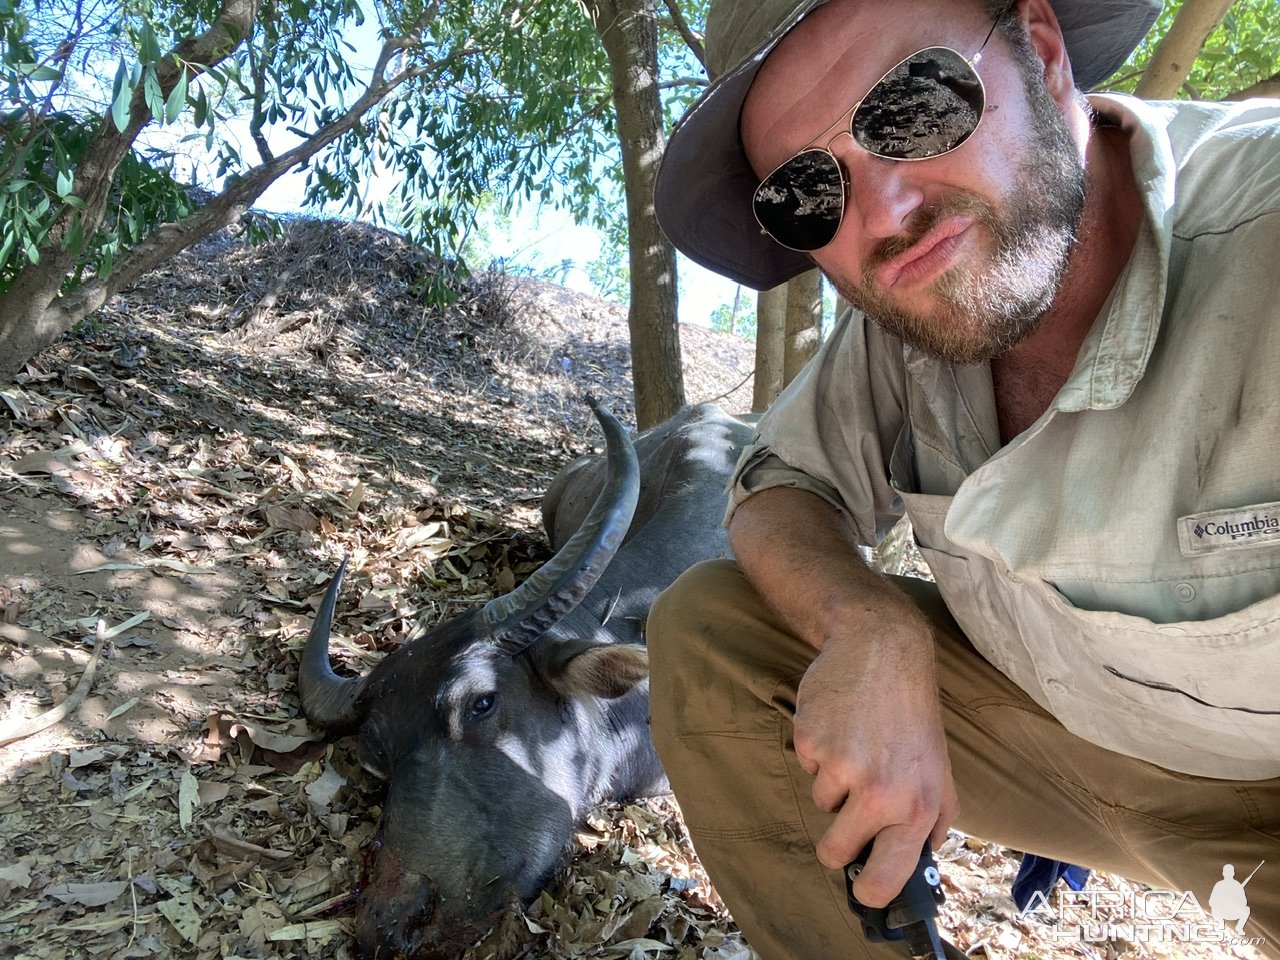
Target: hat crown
{"points": [[737, 28]]}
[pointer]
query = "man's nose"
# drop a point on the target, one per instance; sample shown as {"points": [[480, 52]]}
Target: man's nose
{"points": [[882, 195]]}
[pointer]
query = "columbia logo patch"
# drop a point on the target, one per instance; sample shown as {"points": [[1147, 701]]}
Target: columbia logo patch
{"points": [[1255, 526]]}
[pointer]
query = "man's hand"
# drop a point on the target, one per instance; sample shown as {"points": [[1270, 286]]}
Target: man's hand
{"points": [[868, 728], [868, 725]]}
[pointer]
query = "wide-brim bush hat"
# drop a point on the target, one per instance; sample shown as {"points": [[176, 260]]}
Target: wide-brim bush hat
{"points": [[705, 184]]}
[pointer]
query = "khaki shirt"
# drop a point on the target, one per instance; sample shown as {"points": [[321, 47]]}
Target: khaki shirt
{"points": [[1120, 559]]}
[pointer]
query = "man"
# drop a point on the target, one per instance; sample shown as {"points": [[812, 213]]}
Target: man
{"points": [[1064, 366]]}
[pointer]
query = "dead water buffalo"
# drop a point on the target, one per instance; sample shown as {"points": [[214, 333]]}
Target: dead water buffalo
{"points": [[498, 730]]}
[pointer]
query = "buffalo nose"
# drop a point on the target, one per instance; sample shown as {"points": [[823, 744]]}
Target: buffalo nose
{"points": [[395, 925]]}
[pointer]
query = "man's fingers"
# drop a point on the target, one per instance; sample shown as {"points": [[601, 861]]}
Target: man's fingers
{"points": [[948, 810], [938, 836], [828, 792], [844, 839], [893, 856]]}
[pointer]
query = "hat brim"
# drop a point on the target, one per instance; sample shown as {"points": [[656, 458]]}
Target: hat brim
{"points": [[705, 184]]}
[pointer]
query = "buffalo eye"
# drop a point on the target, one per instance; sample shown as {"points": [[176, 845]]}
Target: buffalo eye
{"points": [[482, 706]]}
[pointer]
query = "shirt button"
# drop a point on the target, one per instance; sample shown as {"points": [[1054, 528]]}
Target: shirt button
{"points": [[1185, 592], [1055, 685]]}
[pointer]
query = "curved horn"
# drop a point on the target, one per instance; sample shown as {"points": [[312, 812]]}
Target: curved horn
{"points": [[328, 700], [517, 619]]}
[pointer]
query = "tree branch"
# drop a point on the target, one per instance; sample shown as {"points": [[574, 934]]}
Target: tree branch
{"points": [[691, 39], [1171, 63], [97, 171], [684, 82], [1270, 87], [32, 310], [258, 69], [234, 201]]}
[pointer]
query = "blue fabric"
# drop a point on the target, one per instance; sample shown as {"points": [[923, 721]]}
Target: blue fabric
{"points": [[1039, 874]]}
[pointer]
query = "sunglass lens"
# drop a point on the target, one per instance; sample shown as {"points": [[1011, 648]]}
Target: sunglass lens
{"points": [[800, 204], [929, 104]]}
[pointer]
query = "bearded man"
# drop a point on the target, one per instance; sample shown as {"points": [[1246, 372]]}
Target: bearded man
{"points": [[1063, 365]]}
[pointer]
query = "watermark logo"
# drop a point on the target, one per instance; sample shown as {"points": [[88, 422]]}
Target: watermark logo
{"points": [[1093, 915], [1228, 901]]}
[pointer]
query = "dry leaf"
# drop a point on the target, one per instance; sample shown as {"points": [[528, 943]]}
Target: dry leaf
{"points": [[212, 792], [312, 930], [271, 740], [180, 912], [259, 921], [320, 791], [188, 797], [228, 845], [87, 894], [18, 874], [123, 708], [92, 755], [289, 518], [50, 462]]}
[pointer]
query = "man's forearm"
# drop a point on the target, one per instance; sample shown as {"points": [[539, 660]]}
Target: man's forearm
{"points": [[801, 554]]}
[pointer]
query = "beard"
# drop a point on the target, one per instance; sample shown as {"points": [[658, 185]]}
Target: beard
{"points": [[983, 313]]}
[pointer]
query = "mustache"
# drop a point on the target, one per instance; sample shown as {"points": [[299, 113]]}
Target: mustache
{"points": [[925, 220]]}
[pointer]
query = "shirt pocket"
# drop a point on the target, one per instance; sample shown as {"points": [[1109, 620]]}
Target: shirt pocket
{"points": [[1198, 696]]}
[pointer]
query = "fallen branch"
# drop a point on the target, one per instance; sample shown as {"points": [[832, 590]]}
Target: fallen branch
{"points": [[20, 730], [741, 383], [254, 317]]}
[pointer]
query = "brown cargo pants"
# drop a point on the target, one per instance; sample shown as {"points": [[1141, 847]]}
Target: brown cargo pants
{"points": [[724, 677]]}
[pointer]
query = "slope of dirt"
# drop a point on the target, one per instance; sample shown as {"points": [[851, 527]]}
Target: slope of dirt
{"points": [[181, 476]]}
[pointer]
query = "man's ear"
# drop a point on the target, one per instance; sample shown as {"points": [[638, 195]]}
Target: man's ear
{"points": [[1041, 24], [607, 670]]}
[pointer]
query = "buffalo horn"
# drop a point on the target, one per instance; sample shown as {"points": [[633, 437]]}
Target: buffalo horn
{"points": [[330, 702], [517, 619]]}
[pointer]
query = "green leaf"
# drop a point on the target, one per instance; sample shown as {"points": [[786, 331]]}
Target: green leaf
{"points": [[121, 95], [151, 90], [64, 182], [39, 72], [148, 46], [177, 99]]}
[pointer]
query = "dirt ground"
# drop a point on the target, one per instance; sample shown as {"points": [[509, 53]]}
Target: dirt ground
{"points": [[177, 481]]}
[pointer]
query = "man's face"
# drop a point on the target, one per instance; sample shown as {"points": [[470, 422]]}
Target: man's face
{"points": [[959, 254]]}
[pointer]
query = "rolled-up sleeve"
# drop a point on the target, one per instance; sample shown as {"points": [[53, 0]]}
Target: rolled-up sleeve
{"points": [[833, 429]]}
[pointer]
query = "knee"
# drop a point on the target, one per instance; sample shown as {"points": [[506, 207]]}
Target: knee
{"points": [[678, 617], [683, 623], [687, 605], [718, 655]]}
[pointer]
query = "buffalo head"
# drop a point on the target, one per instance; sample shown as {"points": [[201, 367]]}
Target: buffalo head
{"points": [[494, 732]]}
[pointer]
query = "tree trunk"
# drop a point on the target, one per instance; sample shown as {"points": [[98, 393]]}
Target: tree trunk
{"points": [[771, 330], [804, 323], [1171, 64], [629, 31]]}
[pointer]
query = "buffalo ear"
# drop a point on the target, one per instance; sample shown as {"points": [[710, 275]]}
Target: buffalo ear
{"points": [[606, 670]]}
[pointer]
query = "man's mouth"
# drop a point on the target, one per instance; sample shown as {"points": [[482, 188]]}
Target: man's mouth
{"points": [[927, 257]]}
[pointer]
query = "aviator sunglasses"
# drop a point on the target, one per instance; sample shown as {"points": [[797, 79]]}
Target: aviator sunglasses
{"points": [[927, 105]]}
